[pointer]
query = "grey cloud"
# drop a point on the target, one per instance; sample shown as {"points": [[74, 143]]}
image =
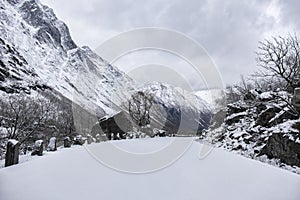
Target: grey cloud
{"points": [[229, 30], [290, 12]]}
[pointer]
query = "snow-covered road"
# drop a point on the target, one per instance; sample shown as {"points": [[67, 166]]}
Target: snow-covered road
{"points": [[74, 174]]}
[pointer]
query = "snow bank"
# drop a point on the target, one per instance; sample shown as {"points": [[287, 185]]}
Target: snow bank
{"points": [[74, 174], [13, 141]]}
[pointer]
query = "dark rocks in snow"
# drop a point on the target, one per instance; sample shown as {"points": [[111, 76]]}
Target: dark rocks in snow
{"points": [[160, 133], [274, 115], [281, 147], [236, 107], [239, 147], [264, 117], [12, 153], [67, 142], [267, 125], [38, 148], [52, 144], [235, 118], [260, 106], [78, 140]]}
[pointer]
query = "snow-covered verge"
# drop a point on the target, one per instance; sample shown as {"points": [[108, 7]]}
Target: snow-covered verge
{"points": [[74, 174], [265, 128], [23, 158]]}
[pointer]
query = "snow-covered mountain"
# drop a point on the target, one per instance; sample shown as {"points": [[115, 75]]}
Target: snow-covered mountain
{"points": [[37, 53], [182, 110], [215, 98], [37, 49]]}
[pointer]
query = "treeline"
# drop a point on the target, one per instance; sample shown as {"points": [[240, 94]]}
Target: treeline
{"points": [[40, 115]]}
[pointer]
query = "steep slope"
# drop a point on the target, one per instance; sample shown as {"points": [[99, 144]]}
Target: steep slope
{"points": [[36, 47], [262, 127], [37, 52]]}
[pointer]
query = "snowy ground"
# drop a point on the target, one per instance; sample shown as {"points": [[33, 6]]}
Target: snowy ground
{"points": [[74, 174]]}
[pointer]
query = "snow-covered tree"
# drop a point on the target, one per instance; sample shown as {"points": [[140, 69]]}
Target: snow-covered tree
{"points": [[280, 60], [139, 108], [22, 115]]}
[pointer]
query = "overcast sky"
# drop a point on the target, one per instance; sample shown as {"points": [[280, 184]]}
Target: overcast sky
{"points": [[229, 30]]}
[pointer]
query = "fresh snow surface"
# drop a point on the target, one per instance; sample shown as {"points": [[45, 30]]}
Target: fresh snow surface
{"points": [[13, 141], [73, 174]]}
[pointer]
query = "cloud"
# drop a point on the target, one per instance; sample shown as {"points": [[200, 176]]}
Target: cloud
{"points": [[229, 30]]}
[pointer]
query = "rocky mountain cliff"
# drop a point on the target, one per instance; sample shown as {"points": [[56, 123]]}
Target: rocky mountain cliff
{"points": [[38, 53]]}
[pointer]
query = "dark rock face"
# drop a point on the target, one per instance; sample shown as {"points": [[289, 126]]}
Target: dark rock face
{"points": [[116, 125], [260, 106], [282, 148], [235, 118], [50, 28], [265, 116], [267, 126], [12, 153], [273, 116], [236, 108]]}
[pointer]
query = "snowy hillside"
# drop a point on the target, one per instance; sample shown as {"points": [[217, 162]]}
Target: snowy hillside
{"points": [[263, 126], [74, 174], [37, 52], [37, 49]]}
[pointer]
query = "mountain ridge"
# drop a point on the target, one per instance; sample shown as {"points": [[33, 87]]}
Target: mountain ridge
{"points": [[37, 51]]}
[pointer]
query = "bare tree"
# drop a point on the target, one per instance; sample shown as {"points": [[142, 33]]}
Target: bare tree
{"points": [[280, 59], [23, 115], [139, 107]]}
